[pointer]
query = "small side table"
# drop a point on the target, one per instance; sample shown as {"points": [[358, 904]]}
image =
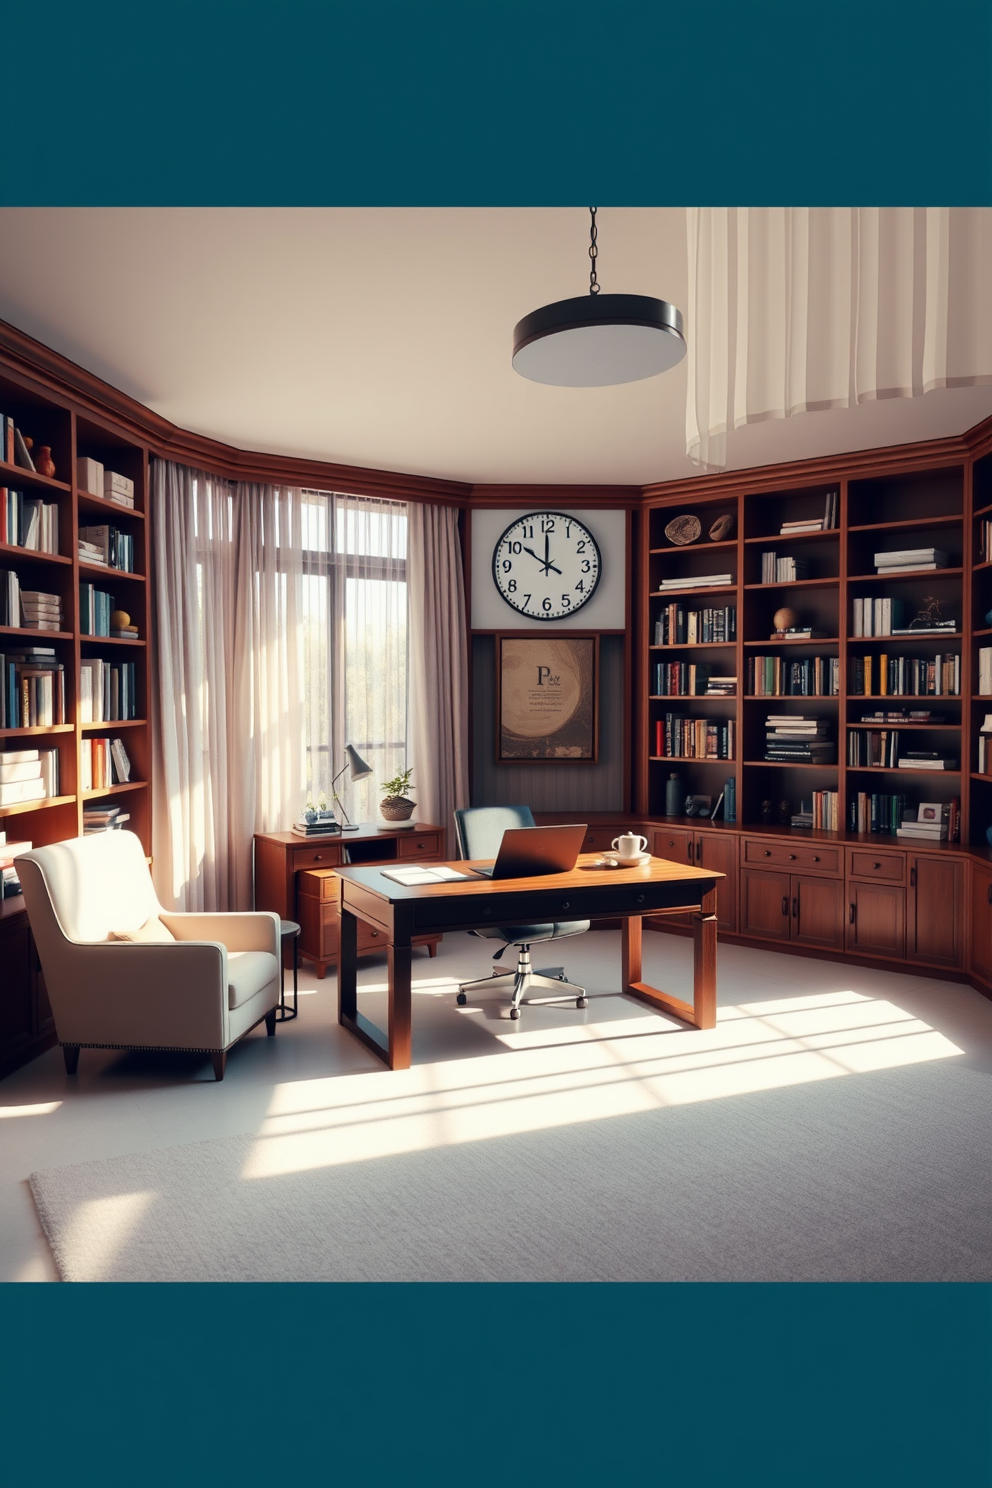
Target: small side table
{"points": [[289, 930]]}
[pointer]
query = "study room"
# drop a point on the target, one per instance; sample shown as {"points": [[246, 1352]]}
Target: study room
{"points": [[442, 737]]}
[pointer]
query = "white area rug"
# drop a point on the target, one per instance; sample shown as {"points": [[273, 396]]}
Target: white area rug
{"points": [[878, 1176]]}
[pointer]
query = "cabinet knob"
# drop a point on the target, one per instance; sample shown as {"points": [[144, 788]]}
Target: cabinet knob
{"points": [[816, 858], [639, 899], [565, 904], [420, 847], [876, 865], [792, 857], [487, 912], [317, 857], [768, 852]]}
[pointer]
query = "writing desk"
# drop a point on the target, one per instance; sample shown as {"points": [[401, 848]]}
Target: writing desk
{"points": [[587, 893]]}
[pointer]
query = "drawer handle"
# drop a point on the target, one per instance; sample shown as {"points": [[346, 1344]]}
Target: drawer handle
{"points": [[639, 899], [876, 865], [785, 904], [688, 849], [912, 877], [768, 852], [795, 906], [375, 935], [565, 904], [420, 847], [816, 858], [317, 857], [851, 915], [792, 857]]}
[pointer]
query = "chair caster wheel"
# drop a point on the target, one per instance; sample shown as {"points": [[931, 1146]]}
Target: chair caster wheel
{"points": [[461, 999], [514, 1012], [582, 1002]]}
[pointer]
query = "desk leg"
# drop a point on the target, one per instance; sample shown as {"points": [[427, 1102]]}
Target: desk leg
{"points": [[701, 1012], [400, 1030], [348, 968]]}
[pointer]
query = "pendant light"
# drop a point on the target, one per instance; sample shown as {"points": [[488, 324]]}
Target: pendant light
{"points": [[598, 340]]}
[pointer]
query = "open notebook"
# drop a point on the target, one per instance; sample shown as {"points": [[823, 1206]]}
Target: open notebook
{"points": [[422, 873]]}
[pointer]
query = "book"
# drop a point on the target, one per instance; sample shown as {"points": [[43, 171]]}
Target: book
{"points": [[22, 455], [28, 770], [912, 556], [17, 791], [419, 873], [89, 475], [116, 486], [698, 581]]}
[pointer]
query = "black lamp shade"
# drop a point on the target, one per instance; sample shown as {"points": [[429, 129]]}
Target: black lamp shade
{"points": [[598, 340]]}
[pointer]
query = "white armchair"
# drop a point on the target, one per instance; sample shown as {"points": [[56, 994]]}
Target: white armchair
{"points": [[184, 981]]}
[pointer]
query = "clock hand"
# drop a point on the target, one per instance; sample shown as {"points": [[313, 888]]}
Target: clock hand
{"points": [[548, 565], [541, 561]]}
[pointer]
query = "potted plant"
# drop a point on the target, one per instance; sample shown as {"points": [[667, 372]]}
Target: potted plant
{"points": [[395, 805]]}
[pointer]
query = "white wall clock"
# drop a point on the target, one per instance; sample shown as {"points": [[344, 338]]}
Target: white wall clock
{"points": [[546, 565]]}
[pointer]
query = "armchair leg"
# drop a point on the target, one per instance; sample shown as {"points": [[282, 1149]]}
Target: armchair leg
{"points": [[270, 1023], [219, 1058], [70, 1053]]}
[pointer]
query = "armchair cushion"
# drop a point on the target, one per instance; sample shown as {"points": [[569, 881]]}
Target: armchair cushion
{"points": [[152, 931], [247, 973]]}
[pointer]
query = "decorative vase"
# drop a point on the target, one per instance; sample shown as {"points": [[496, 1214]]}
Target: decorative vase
{"points": [[767, 813], [673, 795], [397, 808], [43, 462]]}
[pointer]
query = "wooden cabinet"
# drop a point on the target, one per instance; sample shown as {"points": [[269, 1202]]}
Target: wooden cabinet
{"points": [[936, 910], [716, 850], [793, 907], [296, 879], [980, 946], [876, 919], [26, 1025]]}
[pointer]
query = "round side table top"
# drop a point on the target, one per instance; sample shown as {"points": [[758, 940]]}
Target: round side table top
{"points": [[288, 929]]}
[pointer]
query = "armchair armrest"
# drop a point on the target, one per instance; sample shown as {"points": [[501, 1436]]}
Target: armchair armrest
{"points": [[171, 995], [252, 931]]}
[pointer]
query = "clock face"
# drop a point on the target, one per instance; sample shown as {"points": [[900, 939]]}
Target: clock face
{"points": [[547, 565]]}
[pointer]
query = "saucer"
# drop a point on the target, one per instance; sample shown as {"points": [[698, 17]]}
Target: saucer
{"points": [[614, 860]]}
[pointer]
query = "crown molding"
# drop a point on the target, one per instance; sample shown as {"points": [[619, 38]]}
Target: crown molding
{"points": [[555, 495]]}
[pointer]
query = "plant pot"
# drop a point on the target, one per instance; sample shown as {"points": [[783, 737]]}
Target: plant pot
{"points": [[397, 808]]}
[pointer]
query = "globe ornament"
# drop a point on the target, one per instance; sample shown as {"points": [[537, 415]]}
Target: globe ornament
{"points": [[783, 620], [120, 620]]}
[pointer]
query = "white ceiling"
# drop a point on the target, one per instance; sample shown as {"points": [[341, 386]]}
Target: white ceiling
{"points": [[381, 337]]}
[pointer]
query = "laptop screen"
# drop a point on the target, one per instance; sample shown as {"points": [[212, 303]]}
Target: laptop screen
{"points": [[528, 852]]}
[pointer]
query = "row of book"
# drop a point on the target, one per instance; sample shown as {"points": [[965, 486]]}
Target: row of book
{"points": [[28, 775], [677, 626], [107, 546], [107, 691], [95, 610], [14, 448], [28, 522], [96, 480], [822, 813], [884, 617], [906, 676], [780, 676], [691, 679], [869, 749], [985, 538], [677, 737], [775, 570], [32, 688], [908, 560], [985, 671], [831, 509], [934, 821], [103, 762], [792, 739], [29, 609]]}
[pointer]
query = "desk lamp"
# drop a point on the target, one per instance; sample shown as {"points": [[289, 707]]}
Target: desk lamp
{"points": [[359, 771]]}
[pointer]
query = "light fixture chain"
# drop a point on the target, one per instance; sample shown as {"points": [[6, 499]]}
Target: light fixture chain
{"points": [[593, 252]]}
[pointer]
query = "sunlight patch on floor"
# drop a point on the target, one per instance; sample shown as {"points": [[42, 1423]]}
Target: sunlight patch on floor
{"points": [[44, 1109], [611, 1068], [102, 1227]]}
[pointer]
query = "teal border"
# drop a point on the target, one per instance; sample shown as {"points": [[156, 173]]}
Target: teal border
{"points": [[523, 103]]}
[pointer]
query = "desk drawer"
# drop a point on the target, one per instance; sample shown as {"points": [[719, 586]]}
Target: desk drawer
{"points": [[890, 867], [319, 929], [806, 857], [642, 897], [319, 883], [600, 839], [326, 855], [418, 846]]}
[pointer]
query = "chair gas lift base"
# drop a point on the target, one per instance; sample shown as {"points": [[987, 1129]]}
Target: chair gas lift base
{"points": [[289, 930], [523, 981]]}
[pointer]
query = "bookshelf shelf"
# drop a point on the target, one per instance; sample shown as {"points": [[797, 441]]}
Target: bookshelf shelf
{"points": [[915, 573], [692, 697], [696, 646], [106, 572], [897, 770], [796, 640], [778, 538], [88, 502], [111, 640], [16, 476], [32, 555], [22, 808], [706, 547], [44, 728], [897, 726], [37, 635], [116, 723], [789, 765], [953, 519], [689, 589], [689, 759], [797, 584], [114, 790]]}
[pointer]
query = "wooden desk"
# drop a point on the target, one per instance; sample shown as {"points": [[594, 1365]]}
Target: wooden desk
{"points": [[282, 857], [586, 893]]}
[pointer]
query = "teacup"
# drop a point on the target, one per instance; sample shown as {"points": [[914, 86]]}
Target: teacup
{"points": [[629, 845]]}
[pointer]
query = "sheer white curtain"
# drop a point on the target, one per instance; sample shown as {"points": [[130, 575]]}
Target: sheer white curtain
{"points": [[794, 309], [229, 690], [439, 706]]}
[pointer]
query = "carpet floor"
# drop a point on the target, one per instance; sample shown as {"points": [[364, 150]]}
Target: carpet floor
{"points": [[880, 1176]]}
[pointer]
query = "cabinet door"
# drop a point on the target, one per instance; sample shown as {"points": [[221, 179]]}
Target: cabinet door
{"points": [[17, 1018], [817, 912], [876, 919], [718, 850], [980, 952], [765, 900], [936, 911], [674, 843]]}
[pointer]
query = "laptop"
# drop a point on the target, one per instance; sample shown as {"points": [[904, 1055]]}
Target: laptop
{"points": [[528, 852]]}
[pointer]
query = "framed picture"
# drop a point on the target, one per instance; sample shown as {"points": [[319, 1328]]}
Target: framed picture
{"points": [[547, 697]]}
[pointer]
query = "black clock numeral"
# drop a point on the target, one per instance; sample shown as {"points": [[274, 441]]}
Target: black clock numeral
{"points": [[528, 598], [566, 601], [528, 532], [568, 532], [586, 565], [580, 546], [548, 526], [515, 547], [581, 587], [507, 565], [512, 586], [545, 604]]}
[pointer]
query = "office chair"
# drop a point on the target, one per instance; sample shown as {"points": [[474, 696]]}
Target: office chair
{"points": [[480, 831]]}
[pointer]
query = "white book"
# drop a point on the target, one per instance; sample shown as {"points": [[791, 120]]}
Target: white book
{"points": [[17, 791], [892, 568], [89, 475], [115, 485], [700, 581], [9, 772]]}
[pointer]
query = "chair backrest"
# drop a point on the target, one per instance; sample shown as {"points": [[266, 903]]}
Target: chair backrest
{"points": [[480, 828], [92, 885]]}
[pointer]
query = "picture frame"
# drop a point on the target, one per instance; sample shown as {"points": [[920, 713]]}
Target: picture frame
{"points": [[547, 697]]}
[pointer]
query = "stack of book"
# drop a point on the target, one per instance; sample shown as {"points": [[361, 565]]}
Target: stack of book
{"points": [[932, 822], [908, 560], [324, 824], [27, 522], [698, 581], [831, 507], [907, 676], [9, 853], [125, 633], [677, 626], [28, 775], [926, 759], [107, 546], [775, 570], [794, 740], [103, 762], [721, 687], [118, 488], [778, 676], [32, 688], [694, 738], [103, 818], [95, 480], [107, 690], [40, 611]]}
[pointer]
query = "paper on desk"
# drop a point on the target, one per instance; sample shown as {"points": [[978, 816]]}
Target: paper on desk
{"points": [[421, 874]]}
